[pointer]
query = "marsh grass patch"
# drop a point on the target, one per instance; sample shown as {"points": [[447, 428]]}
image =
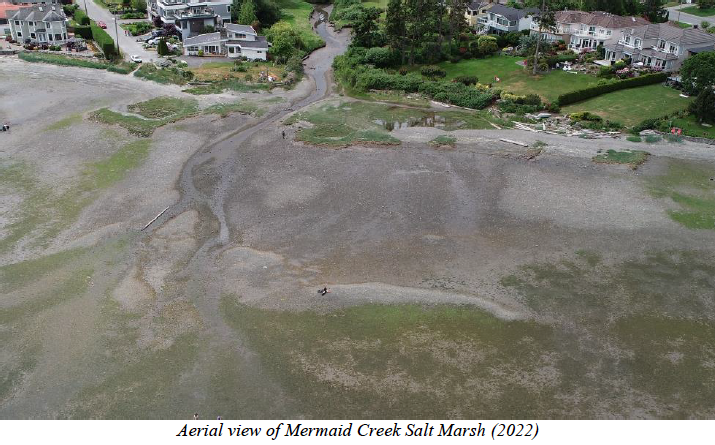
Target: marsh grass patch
{"points": [[631, 158], [692, 188]]}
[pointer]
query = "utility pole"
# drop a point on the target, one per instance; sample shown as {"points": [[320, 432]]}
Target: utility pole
{"points": [[85, 8], [116, 34], [538, 36]]}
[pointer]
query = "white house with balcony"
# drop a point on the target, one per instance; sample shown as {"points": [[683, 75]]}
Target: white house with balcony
{"points": [[659, 45], [168, 10], [587, 30], [235, 41], [500, 19], [44, 24]]}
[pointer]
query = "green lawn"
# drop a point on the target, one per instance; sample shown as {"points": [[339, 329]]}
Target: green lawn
{"points": [[682, 25], [692, 128], [514, 78], [633, 105], [297, 13], [695, 10]]}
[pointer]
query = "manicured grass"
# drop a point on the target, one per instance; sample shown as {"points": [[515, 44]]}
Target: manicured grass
{"points": [[692, 188], [681, 25], [345, 123], [297, 13], [691, 127], [633, 105], [631, 158], [515, 79], [695, 10]]}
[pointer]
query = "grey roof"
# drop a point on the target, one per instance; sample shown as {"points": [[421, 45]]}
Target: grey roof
{"points": [[702, 49], [261, 42], [512, 13], [203, 38], [658, 54], [689, 36], [599, 18], [43, 13], [245, 29]]}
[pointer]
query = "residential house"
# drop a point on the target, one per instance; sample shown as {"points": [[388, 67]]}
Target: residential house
{"points": [[196, 20], [500, 19], [660, 45], [43, 24], [235, 41], [478, 8], [243, 41], [37, 2], [7, 10], [587, 30], [167, 10]]}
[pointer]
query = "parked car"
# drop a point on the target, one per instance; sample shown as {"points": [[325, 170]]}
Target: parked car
{"points": [[102, 25], [158, 33], [135, 58]]}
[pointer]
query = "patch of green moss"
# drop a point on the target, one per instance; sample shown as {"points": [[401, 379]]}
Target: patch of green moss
{"points": [[632, 158]]}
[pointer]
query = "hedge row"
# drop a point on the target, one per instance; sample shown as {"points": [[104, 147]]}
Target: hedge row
{"points": [[81, 17], [104, 41], [587, 93]]}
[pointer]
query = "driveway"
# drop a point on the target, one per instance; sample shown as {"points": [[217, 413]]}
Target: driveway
{"points": [[674, 14], [127, 44]]}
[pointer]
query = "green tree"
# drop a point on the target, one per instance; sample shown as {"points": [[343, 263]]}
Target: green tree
{"points": [[547, 22], [366, 28], [139, 5], [395, 30], [162, 48], [235, 8], [285, 40], [654, 11], [126, 4], [706, 4], [698, 72], [247, 15], [487, 45], [703, 107]]}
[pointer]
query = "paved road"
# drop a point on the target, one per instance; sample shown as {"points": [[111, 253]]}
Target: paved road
{"points": [[127, 44], [674, 14]]}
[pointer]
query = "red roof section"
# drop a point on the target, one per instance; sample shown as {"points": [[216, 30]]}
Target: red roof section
{"points": [[8, 9]]}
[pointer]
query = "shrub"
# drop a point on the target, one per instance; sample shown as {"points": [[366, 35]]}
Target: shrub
{"points": [[200, 53], [162, 48], [587, 93], [703, 107], [402, 71], [381, 57], [104, 41], [83, 31], [432, 72], [248, 78], [81, 17], [634, 138], [551, 61], [466, 80], [585, 116], [652, 139]]}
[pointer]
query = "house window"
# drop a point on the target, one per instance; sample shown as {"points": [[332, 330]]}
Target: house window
{"points": [[50, 36], [608, 33], [58, 36], [628, 40], [17, 22], [661, 44], [32, 35], [638, 43], [230, 49], [19, 34], [673, 49]]}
